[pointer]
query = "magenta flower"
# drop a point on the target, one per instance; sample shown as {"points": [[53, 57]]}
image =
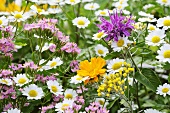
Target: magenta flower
{"points": [[117, 26]]}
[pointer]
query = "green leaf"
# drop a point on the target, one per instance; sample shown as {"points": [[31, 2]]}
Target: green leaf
{"points": [[169, 78], [112, 103], [148, 78], [167, 66]]}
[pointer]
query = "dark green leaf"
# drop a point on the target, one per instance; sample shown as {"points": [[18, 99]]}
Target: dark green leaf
{"points": [[148, 78]]}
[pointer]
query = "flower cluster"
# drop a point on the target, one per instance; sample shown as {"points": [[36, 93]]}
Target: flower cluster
{"points": [[71, 47], [118, 26], [96, 107], [115, 82], [7, 46]]}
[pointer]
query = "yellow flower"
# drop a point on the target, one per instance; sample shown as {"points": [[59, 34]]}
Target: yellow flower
{"points": [[92, 69]]}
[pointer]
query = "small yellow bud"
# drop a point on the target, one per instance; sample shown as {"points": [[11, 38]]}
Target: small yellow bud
{"points": [[108, 89], [131, 69], [110, 85], [117, 74], [125, 74], [124, 68], [107, 94], [99, 94], [122, 93], [125, 87], [128, 65], [127, 71]]}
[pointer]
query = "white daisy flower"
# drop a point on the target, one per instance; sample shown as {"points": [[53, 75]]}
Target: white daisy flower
{"points": [[55, 2], [99, 35], [120, 5], [37, 10], [72, 2], [148, 6], [11, 110], [91, 6], [54, 87], [3, 21], [164, 53], [165, 22], [163, 89], [101, 50], [54, 10], [78, 79], [81, 22], [43, 67], [146, 19], [151, 111], [6, 81], [70, 94], [115, 65], [33, 92], [54, 63], [18, 16], [141, 13], [120, 44], [102, 101], [21, 79], [151, 27], [155, 38], [104, 12], [163, 2], [62, 106]]}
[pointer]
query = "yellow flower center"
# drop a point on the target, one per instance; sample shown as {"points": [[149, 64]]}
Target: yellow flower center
{"points": [[72, 0], [64, 106], [79, 78], [69, 96], [116, 65], [103, 13], [4, 81], [81, 22], [33, 93], [39, 10], [99, 35], [92, 6], [18, 16], [120, 43], [53, 64], [101, 102], [166, 54], [0, 22], [119, 7], [54, 88], [164, 1], [166, 22], [165, 90], [100, 51], [151, 28], [155, 39], [22, 80]]}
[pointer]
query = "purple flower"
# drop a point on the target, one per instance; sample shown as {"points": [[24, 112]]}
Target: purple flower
{"points": [[52, 47], [71, 47], [74, 65], [118, 26]]}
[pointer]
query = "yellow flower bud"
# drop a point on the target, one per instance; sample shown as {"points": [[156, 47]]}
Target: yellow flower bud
{"points": [[125, 74], [122, 93]]}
